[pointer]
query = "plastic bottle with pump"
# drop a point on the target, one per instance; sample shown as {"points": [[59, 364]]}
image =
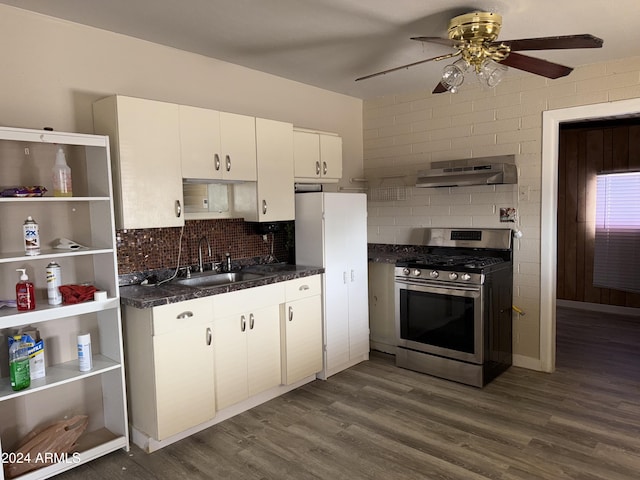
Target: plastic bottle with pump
{"points": [[19, 371], [25, 297], [61, 176]]}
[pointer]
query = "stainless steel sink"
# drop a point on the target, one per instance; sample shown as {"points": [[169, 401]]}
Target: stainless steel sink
{"points": [[215, 279]]}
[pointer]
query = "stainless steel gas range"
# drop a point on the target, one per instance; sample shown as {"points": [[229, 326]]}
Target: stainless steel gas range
{"points": [[453, 305]]}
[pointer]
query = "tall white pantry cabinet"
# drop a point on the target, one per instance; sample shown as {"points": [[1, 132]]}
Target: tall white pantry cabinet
{"points": [[331, 231], [26, 158]]}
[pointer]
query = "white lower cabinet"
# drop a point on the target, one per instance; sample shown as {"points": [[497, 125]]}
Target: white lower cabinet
{"points": [[301, 329], [170, 366], [246, 332], [195, 363], [382, 307]]}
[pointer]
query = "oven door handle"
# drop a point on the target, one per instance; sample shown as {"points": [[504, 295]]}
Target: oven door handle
{"points": [[435, 285]]}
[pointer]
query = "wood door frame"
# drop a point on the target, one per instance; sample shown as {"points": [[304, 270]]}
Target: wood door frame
{"points": [[551, 120]]}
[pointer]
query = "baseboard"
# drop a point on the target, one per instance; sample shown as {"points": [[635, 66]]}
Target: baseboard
{"points": [[529, 363], [599, 307]]}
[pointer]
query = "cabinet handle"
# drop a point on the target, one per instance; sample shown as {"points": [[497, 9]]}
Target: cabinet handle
{"points": [[264, 207], [353, 276], [290, 314], [243, 323], [317, 168], [184, 315], [228, 159], [208, 336], [303, 287], [344, 277], [251, 321], [324, 168], [178, 208], [216, 161]]}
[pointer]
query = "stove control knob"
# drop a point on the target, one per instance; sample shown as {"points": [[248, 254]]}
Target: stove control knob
{"points": [[434, 274], [453, 276], [417, 272], [406, 271], [465, 276]]}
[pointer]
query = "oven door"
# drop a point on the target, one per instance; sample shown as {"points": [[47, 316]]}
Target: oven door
{"points": [[443, 320]]}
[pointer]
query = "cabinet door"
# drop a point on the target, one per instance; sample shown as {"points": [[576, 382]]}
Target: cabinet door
{"points": [[330, 156], [382, 306], [230, 357], [263, 339], [358, 277], [337, 228], [145, 146], [302, 348], [200, 152], [306, 154], [238, 140], [183, 365], [184, 379], [274, 142]]}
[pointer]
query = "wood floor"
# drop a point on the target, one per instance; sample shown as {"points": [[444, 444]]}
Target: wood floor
{"points": [[376, 421]]}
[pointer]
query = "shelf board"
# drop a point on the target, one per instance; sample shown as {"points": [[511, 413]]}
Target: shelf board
{"points": [[44, 136], [52, 199], [10, 317], [7, 257], [91, 445], [59, 375]]}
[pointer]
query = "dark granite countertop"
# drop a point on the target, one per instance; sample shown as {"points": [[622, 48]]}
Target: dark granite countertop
{"points": [[383, 253], [143, 296]]}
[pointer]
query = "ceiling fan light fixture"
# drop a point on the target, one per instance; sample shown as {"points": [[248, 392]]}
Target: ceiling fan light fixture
{"points": [[453, 75], [491, 73]]}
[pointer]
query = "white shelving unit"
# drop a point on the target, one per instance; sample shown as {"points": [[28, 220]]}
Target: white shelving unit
{"points": [[26, 158]]}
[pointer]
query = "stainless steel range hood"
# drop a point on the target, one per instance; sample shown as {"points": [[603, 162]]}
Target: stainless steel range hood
{"points": [[473, 171]]}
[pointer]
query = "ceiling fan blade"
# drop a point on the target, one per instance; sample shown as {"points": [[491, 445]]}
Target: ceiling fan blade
{"points": [[553, 43], [536, 65], [439, 40], [440, 88], [441, 57]]}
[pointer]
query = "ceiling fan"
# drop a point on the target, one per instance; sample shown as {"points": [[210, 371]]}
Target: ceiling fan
{"points": [[473, 36]]}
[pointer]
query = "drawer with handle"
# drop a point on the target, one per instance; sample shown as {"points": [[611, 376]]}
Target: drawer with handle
{"points": [[303, 287]]}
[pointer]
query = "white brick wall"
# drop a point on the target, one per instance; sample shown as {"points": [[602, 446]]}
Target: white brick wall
{"points": [[406, 132]]}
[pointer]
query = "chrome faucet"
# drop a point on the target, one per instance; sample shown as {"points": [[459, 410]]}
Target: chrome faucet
{"points": [[202, 239]]}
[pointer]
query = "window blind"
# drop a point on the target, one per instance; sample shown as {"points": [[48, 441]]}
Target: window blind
{"points": [[617, 242]]}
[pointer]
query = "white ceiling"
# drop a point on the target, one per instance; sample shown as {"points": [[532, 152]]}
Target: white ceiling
{"points": [[330, 43]]}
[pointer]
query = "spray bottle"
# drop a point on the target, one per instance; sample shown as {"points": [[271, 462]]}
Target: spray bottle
{"points": [[61, 176]]}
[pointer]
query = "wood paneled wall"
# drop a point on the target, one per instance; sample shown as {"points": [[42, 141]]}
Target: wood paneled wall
{"points": [[585, 150]]}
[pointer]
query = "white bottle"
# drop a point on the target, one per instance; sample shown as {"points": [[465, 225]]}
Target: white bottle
{"points": [[85, 360], [61, 176], [54, 280]]}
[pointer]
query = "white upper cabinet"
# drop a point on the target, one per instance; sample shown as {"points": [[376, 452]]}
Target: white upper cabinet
{"points": [[145, 152], [317, 156], [271, 199], [217, 145]]}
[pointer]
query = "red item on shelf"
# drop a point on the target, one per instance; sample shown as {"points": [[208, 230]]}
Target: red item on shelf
{"points": [[76, 293]]}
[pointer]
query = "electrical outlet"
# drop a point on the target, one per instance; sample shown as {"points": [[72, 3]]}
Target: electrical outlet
{"points": [[523, 193], [264, 238]]}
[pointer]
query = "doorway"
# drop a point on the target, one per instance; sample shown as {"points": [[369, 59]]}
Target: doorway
{"points": [[551, 121]]}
